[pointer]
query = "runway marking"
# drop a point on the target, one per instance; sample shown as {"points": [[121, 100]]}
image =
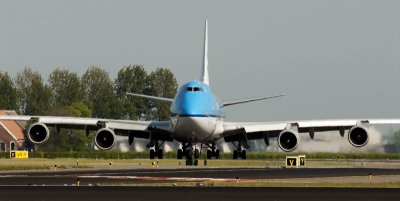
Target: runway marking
{"points": [[160, 178], [8, 176]]}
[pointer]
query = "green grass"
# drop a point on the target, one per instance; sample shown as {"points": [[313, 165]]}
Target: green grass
{"points": [[70, 163], [172, 155], [85, 163], [101, 159]]}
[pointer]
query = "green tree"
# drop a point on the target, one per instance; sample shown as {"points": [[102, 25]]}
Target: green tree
{"points": [[33, 96], [98, 94], [131, 79], [8, 93], [65, 87], [162, 83], [66, 139], [80, 109]]}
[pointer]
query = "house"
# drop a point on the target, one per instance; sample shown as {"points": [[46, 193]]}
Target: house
{"points": [[11, 133]]}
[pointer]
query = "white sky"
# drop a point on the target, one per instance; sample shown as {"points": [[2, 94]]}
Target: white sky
{"points": [[333, 59]]}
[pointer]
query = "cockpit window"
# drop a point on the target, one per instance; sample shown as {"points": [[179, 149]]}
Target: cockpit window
{"points": [[194, 89]]}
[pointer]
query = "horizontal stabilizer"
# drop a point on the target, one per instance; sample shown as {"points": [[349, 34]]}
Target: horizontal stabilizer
{"points": [[235, 102], [170, 100]]}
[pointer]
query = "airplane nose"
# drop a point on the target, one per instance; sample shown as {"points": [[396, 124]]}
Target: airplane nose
{"points": [[191, 105], [189, 108]]}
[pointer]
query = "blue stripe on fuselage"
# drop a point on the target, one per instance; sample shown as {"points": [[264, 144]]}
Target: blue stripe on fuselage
{"points": [[200, 103], [198, 115]]}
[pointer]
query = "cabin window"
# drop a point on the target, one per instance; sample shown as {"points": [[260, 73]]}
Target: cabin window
{"points": [[194, 89]]}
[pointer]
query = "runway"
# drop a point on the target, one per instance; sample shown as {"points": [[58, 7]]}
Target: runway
{"points": [[155, 175], [115, 184], [57, 193]]}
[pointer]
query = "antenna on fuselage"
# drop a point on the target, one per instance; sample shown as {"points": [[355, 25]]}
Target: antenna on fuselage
{"points": [[205, 58]]}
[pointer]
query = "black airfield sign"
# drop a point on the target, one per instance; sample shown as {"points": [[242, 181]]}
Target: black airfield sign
{"points": [[302, 160], [295, 161], [291, 161]]}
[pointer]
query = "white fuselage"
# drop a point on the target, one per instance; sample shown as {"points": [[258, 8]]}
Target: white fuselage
{"points": [[197, 129]]}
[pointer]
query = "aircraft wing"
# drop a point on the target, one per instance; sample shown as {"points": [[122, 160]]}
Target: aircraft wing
{"points": [[169, 100], [243, 131], [235, 102], [141, 129]]}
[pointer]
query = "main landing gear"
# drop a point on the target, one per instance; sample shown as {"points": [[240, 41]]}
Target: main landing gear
{"points": [[213, 152], [239, 152], [156, 150]]}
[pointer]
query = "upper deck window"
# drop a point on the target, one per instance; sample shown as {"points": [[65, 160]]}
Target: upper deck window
{"points": [[194, 89]]}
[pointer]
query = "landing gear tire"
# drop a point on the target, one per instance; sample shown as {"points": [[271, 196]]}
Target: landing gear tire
{"points": [[160, 154], [217, 154], [209, 154], [179, 154], [189, 153], [196, 153], [235, 154], [152, 153], [244, 154], [239, 154]]}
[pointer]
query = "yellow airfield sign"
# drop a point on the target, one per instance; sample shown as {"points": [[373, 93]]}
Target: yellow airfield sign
{"points": [[295, 161], [19, 154]]}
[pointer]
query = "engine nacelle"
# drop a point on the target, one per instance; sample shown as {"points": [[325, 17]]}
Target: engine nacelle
{"points": [[358, 136], [288, 140], [105, 139], [38, 133]]}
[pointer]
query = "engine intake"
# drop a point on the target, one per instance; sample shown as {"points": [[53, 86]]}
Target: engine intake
{"points": [[105, 139], [358, 136], [288, 140], [38, 133]]}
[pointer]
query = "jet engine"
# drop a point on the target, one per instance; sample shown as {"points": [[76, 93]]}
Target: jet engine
{"points": [[105, 139], [288, 140], [358, 136], [38, 133]]}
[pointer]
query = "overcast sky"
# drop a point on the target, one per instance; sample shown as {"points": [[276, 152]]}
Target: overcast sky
{"points": [[332, 59]]}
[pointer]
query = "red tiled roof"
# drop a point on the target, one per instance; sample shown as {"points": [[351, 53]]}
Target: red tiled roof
{"points": [[13, 127]]}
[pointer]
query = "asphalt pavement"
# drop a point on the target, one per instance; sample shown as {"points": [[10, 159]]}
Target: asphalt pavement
{"points": [[111, 193]]}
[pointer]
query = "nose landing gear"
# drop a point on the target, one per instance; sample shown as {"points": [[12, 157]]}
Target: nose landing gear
{"points": [[189, 151]]}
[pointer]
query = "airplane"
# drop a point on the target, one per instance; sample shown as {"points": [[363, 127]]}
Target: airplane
{"points": [[196, 118]]}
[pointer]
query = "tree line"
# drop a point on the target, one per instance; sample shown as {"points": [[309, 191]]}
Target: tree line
{"points": [[94, 94]]}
